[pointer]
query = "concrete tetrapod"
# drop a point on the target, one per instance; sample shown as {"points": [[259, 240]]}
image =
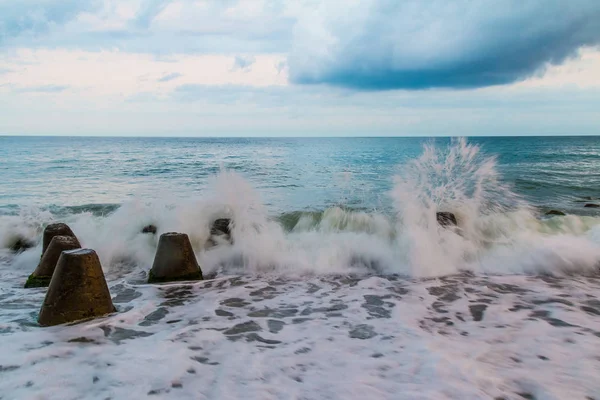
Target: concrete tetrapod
{"points": [[43, 273], [52, 230], [77, 291], [174, 260]]}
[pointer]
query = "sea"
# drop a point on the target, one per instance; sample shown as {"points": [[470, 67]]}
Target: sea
{"points": [[338, 281]]}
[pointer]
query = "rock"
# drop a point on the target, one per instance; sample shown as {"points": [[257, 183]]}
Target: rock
{"points": [[220, 233], [591, 205], [42, 275], [221, 226], [445, 218], [21, 244], [363, 332], [245, 327], [555, 212], [52, 230], [78, 290], [149, 229], [174, 260]]}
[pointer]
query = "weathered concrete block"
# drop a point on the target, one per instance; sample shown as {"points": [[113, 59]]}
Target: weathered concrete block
{"points": [[77, 291], [174, 260], [43, 273], [52, 230]]}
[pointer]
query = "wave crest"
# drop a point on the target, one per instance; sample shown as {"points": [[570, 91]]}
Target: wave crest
{"points": [[497, 232]]}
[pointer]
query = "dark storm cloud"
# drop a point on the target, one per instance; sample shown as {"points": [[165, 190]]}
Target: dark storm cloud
{"points": [[389, 44]]}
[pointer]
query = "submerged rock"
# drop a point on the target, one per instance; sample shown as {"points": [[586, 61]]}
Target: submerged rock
{"points": [[42, 275], [555, 212], [174, 260], [78, 290], [445, 218], [52, 230], [149, 229], [21, 244], [591, 205], [221, 226], [220, 233]]}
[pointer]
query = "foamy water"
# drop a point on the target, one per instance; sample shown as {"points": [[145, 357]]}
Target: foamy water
{"points": [[392, 289], [498, 232]]}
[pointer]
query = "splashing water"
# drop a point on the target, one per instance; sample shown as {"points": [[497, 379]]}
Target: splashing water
{"points": [[457, 179], [497, 231]]}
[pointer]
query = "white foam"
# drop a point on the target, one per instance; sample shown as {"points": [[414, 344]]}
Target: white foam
{"points": [[414, 354], [79, 252]]}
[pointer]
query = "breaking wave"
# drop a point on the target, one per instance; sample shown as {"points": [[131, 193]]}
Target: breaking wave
{"points": [[497, 232]]}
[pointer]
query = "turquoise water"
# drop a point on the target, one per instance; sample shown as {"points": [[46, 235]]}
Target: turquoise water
{"points": [[291, 174]]}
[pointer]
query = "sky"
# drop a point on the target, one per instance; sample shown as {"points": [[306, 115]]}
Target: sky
{"points": [[299, 67]]}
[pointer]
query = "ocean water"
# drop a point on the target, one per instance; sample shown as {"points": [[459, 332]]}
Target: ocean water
{"points": [[296, 174], [339, 282]]}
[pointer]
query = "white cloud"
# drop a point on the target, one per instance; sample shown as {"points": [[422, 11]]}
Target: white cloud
{"points": [[244, 63], [127, 74], [582, 72]]}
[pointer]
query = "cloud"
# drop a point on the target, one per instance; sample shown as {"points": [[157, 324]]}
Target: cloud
{"points": [[34, 17], [149, 9], [243, 63], [307, 111], [281, 66], [43, 89], [390, 44], [169, 77], [117, 73], [160, 27], [373, 45], [215, 94]]}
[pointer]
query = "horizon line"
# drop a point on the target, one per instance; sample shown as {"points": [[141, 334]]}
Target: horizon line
{"points": [[294, 137]]}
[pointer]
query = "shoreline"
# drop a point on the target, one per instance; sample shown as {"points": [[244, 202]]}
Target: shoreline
{"points": [[367, 332]]}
